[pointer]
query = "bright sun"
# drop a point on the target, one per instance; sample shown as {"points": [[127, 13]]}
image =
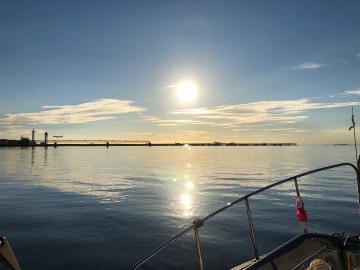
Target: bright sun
{"points": [[187, 91]]}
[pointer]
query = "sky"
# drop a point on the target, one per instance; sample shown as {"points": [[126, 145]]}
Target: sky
{"points": [[180, 71]]}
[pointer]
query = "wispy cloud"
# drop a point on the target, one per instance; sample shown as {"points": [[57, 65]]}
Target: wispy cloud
{"points": [[170, 86], [102, 109], [174, 122], [260, 113], [358, 56], [181, 135], [344, 61], [352, 92], [266, 115], [308, 65]]}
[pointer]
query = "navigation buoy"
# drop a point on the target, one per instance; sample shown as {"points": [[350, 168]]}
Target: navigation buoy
{"points": [[301, 213]]}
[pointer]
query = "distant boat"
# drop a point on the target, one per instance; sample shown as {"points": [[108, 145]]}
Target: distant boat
{"points": [[58, 136]]}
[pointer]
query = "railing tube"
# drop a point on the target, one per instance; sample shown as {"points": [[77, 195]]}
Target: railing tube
{"points": [[251, 229], [197, 224]]}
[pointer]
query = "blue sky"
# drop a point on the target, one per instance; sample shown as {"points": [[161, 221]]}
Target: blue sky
{"points": [[265, 71]]}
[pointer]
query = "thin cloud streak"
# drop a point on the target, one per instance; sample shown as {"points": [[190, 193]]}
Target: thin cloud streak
{"points": [[102, 109], [352, 92], [174, 122], [308, 65], [263, 113], [181, 135], [271, 107], [170, 86], [260, 113]]}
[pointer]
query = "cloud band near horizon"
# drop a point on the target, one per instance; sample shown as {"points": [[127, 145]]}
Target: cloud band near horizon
{"points": [[102, 109], [231, 116]]}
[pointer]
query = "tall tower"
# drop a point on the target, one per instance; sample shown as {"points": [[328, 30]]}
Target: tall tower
{"points": [[46, 138], [33, 136]]}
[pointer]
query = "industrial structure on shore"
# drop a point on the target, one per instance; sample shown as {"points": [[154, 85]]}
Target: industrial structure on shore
{"points": [[26, 142]]}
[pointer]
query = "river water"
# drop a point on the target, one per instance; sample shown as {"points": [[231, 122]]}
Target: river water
{"points": [[106, 208]]}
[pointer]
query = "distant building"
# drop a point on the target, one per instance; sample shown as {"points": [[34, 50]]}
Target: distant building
{"points": [[13, 143], [25, 141], [3, 141]]}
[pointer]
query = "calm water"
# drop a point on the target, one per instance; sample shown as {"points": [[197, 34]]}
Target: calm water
{"points": [[99, 208]]}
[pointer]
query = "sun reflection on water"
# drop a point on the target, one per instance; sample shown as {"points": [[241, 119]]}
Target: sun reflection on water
{"points": [[187, 205], [189, 185], [186, 200]]}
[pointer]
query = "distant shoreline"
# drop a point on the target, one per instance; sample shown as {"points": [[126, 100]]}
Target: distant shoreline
{"points": [[149, 144]]}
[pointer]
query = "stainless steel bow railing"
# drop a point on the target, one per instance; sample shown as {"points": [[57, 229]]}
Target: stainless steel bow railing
{"points": [[200, 222]]}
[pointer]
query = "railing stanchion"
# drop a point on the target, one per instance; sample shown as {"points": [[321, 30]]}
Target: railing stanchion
{"points": [[300, 211], [251, 229], [197, 224], [296, 187]]}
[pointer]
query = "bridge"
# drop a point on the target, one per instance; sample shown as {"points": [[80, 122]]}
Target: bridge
{"points": [[92, 142]]}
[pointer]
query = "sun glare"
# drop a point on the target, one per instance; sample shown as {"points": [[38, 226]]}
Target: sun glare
{"points": [[189, 185], [187, 91], [185, 200]]}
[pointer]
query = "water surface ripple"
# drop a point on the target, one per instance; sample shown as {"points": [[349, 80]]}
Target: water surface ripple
{"points": [[105, 208]]}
